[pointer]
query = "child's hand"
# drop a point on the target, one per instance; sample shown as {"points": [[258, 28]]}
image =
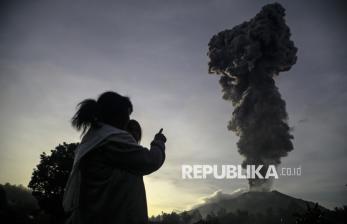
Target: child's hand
{"points": [[160, 136]]}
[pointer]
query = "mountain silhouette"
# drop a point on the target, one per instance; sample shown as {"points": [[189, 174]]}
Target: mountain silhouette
{"points": [[257, 202]]}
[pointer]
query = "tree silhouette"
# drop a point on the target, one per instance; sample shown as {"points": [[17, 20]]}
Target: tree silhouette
{"points": [[313, 215], [172, 218], [18, 197], [339, 215], [17, 205], [49, 179], [186, 217], [3, 198]]}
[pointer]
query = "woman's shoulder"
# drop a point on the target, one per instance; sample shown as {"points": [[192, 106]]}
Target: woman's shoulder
{"points": [[122, 137], [120, 142]]}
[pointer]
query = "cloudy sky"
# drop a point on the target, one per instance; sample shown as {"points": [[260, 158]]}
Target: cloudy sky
{"points": [[53, 54]]}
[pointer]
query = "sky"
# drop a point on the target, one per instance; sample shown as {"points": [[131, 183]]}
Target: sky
{"points": [[54, 54]]}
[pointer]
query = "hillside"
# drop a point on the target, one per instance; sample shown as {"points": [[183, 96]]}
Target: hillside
{"points": [[257, 202]]}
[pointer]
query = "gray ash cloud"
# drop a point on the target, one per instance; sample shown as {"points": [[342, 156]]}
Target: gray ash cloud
{"points": [[248, 57]]}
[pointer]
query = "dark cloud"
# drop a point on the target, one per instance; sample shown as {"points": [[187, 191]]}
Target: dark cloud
{"points": [[248, 57]]}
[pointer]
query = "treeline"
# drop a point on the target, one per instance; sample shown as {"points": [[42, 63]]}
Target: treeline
{"points": [[17, 205], [42, 202], [312, 215]]}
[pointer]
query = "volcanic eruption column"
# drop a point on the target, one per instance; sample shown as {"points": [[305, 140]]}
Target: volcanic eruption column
{"points": [[247, 58]]}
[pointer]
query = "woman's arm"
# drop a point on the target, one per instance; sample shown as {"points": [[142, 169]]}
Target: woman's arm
{"points": [[133, 157]]}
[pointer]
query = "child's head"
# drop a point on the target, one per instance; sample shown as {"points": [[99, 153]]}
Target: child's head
{"points": [[135, 130]]}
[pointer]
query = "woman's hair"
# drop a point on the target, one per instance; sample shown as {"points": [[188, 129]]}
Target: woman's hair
{"points": [[135, 130], [110, 108]]}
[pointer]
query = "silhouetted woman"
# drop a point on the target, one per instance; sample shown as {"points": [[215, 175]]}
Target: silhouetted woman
{"points": [[106, 182]]}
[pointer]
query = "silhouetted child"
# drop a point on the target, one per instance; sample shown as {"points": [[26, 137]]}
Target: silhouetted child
{"points": [[135, 130]]}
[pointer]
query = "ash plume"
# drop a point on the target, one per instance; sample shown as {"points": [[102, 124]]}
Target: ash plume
{"points": [[248, 57]]}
